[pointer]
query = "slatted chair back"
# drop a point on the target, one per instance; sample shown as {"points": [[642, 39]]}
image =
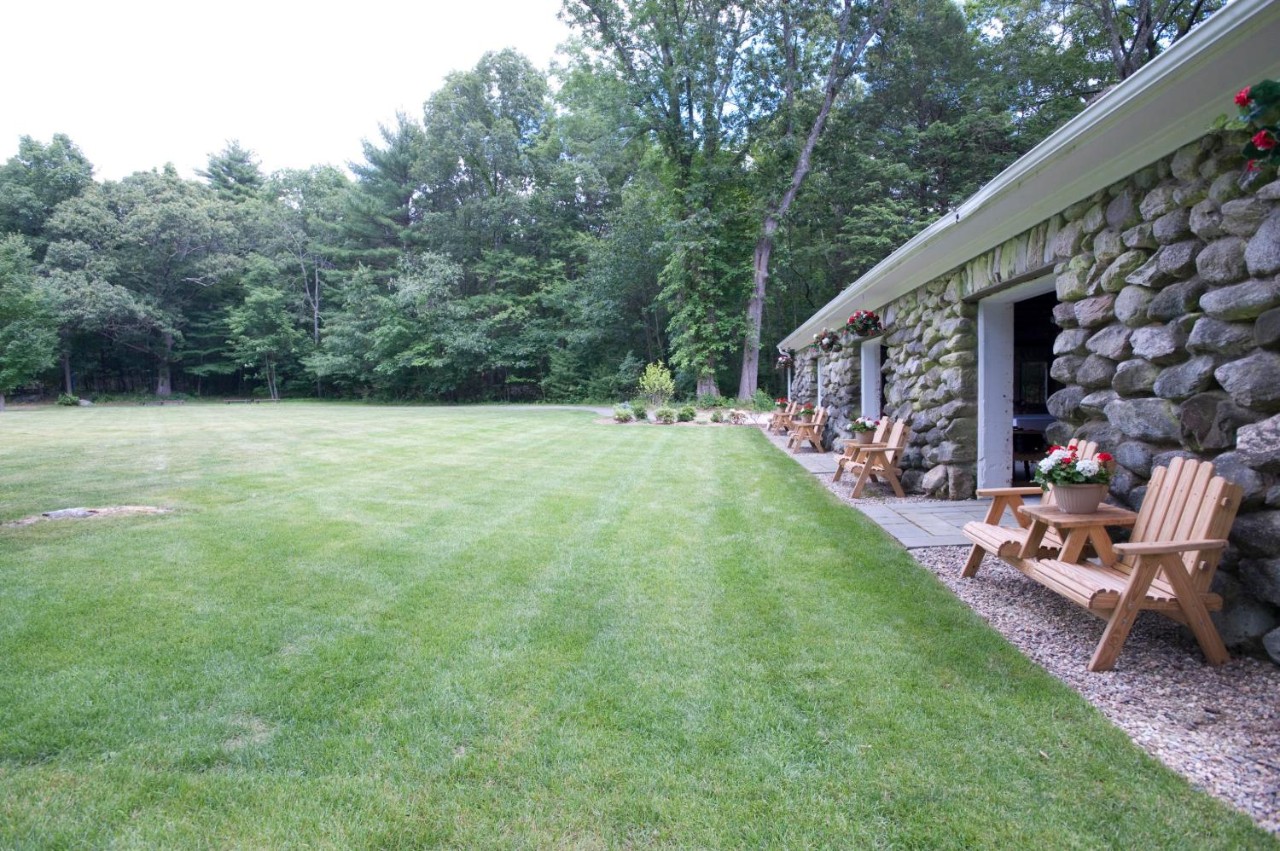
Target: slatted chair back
{"points": [[882, 430], [1187, 502], [782, 418], [899, 434]]}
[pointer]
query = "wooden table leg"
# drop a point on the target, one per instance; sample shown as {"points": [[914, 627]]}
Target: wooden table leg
{"points": [[1034, 536]]}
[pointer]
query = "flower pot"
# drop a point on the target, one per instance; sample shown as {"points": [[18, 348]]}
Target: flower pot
{"points": [[1079, 499], [862, 437]]}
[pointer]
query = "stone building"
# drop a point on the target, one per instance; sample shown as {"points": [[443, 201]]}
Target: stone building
{"points": [[1117, 282]]}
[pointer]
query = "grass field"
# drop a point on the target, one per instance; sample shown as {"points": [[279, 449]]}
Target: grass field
{"points": [[368, 627]]}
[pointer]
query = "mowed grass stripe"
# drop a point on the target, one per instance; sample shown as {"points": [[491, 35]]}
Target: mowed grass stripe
{"points": [[493, 627]]}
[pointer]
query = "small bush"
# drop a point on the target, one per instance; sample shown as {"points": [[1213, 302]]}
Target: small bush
{"points": [[665, 415], [640, 408], [717, 417], [687, 414], [623, 414], [68, 400], [762, 402], [707, 400], [656, 383]]}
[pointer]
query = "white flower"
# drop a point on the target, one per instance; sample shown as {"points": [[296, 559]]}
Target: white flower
{"points": [[1047, 464], [1088, 467]]}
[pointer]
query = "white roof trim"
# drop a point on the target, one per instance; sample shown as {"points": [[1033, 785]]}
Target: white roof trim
{"points": [[1168, 103]]}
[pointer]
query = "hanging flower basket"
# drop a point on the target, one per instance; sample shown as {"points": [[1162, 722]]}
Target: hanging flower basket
{"points": [[1260, 114], [865, 323], [785, 361], [828, 341]]}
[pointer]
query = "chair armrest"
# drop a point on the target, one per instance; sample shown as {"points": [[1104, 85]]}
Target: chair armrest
{"points": [[1166, 547], [1022, 491]]}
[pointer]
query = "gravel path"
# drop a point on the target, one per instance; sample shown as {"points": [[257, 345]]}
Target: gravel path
{"points": [[1218, 727]]}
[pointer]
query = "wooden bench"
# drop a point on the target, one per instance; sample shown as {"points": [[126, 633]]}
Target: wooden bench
{"points": [[1167, 566], [808, 432], [850, 450], [1011, 500], [781, 419], [881, 461]]}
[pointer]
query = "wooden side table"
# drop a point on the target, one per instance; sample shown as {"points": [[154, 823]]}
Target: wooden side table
{"points": [[1076, 530]]}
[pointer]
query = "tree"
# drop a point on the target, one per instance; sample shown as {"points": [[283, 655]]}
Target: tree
{"points": [[28, 330], [262, 326], [233, 174], [682, 63], [168, 242], [35, 181], [1136, 31], [795, 28]]}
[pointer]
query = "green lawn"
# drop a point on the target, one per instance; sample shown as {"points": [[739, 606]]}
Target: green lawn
{"points": [[488, 627]]}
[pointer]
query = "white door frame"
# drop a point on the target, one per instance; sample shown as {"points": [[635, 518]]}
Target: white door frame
{"points": [[995, 380], [870, 378]]}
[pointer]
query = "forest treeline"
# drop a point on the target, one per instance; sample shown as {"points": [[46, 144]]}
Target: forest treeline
{"points": [[691, 181]]}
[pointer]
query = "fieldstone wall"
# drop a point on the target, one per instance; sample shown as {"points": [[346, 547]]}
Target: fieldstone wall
{"points": [[841, 387], [1169, 291], [930, 361], [1170, 345]]}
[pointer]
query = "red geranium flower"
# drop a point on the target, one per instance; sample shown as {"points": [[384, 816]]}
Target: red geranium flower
{"points": [[1242, 97], [1107, 456], [1265, 140]]}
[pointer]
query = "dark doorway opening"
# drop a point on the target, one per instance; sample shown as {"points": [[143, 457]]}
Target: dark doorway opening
{"points": [[1033, 334]]}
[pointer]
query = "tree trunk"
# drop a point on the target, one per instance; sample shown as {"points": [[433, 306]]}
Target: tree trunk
{"points": [[1, 402], [750, 378], [707, 385], [164, 385], [838, 72], [66, 372]]}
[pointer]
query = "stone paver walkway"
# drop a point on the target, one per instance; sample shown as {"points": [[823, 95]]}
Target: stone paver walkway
{"points": [[914, 522]]}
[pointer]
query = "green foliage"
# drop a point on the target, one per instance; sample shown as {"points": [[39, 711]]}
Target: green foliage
{"points": [[665, 415], [710, 401], [641, 408], [687, 413], [762, 402], [28, 330], [623, 414], [657, 384], [68, 400], [717, 416]]}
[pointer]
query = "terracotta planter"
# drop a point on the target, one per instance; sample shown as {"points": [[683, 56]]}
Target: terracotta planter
{"points": [[1079, 499], [863, 437]]}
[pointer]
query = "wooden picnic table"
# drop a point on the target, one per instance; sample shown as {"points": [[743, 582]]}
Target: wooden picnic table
{"points": [[1075, 530]]}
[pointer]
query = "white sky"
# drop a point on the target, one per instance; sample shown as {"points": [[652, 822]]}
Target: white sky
{"points": [[138, 83]]}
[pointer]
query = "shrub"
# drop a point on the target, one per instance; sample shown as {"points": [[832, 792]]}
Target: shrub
{"points": [[640, 408], [762, 402], [657, 384], [665, 415], [717, 417], [687, 414], [68, 400], [623, 414], [707, 400]]}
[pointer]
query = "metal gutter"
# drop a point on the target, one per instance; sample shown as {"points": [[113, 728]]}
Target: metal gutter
{"points": [[1168, 103]]}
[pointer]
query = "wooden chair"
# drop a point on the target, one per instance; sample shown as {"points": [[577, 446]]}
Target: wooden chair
{"points": [[851, 448], [1167, 566], [1011, 499], [881, 461], [809, 432], [780, 419]]}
